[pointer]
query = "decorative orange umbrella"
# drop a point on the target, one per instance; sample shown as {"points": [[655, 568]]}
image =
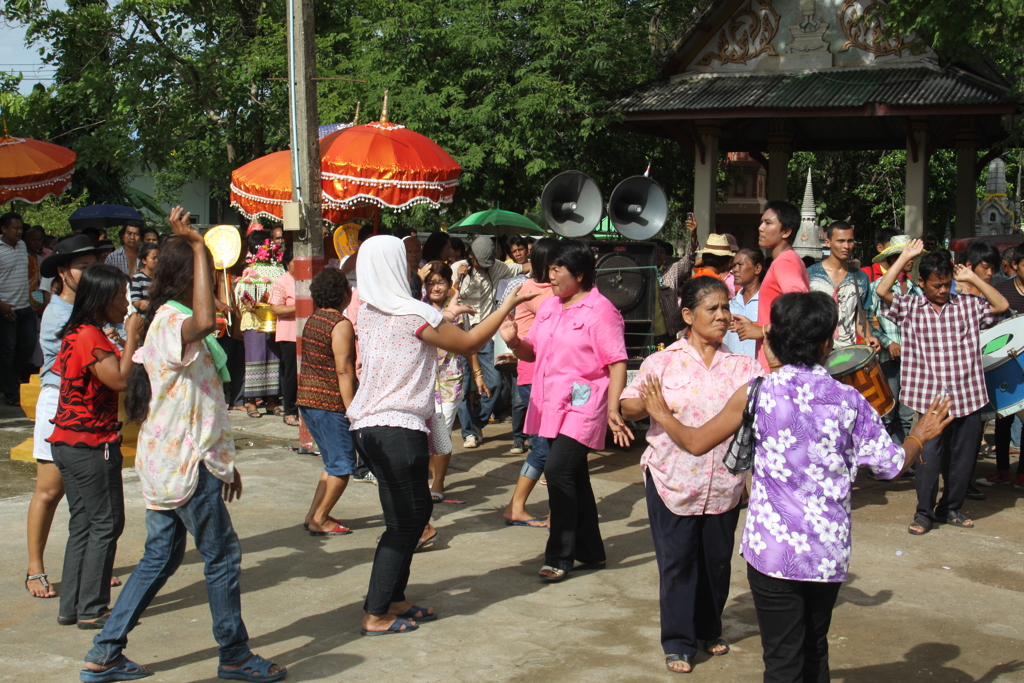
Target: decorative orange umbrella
{"points": [[264, 185], [387, 165], [32, 170]]}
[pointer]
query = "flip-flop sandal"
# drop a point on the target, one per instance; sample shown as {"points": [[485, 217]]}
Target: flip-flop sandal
{"points": [[678, 658], [338, 530], [708, 644], [332, 520], [41, 578], [957, 518], [278, 411], [394, 629], [253, 413], [255, 669], [426, 542], [418, 614], [921, 521], [291, 420], [95, 624], [554, 574], [525, 522], [446, 501], [126, 670]]}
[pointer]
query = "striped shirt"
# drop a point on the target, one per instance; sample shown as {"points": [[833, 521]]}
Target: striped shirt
{"points": [[14, 274], [140, 286]]}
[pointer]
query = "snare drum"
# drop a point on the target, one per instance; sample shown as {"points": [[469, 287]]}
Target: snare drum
{"points": [[858, 367], [1004, 375]]}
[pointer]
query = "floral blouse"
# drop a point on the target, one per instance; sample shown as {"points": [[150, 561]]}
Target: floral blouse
{"points": [[688, 484], [451, 371], [812, 433]]}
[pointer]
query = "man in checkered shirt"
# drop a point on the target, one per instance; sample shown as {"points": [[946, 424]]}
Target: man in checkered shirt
{"points": [[942, 355]]}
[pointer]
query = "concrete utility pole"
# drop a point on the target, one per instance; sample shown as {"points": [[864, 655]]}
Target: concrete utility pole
{"points": [[308, 246]]}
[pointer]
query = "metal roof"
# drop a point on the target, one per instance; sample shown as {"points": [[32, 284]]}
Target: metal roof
{"points": [[830, 88]]}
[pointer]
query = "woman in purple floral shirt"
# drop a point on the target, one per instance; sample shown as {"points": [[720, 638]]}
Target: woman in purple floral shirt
{"points": [[812, 433]]}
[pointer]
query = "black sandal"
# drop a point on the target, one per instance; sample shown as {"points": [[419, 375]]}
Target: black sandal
{"points": [[957, 518], [715, 642], [669, 659], [41, 578], [921, 521]]}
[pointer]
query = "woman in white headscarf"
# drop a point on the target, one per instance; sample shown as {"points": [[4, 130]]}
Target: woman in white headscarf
{"points": [[390, 415]]}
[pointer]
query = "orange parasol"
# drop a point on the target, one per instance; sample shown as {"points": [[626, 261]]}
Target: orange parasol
{"points": [[263, 185], [32, 170], [385, 164]]}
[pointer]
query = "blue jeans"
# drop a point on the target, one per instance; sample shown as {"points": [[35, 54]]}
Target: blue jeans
{"points": [[538, 455], [473, 424], [17, 342], [518, 407], [330, 431], [205, 516]]}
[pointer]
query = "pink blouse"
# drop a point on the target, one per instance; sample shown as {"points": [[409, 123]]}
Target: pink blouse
{"points": [[525, 314], [688, 484], [574, 348]]}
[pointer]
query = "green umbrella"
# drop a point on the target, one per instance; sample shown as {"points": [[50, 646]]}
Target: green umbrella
{"points": [[497, 222]]}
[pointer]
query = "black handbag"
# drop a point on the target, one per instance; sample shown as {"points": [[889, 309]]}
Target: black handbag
{"points": [[740, 456]]}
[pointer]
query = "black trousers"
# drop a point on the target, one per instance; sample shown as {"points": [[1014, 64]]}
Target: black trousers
{"points": [[92, 486], [793, 617], [575, 533], [693, 554], [1004, 426], [234, 391], [289, 378], [400, 460], [952, 455]]}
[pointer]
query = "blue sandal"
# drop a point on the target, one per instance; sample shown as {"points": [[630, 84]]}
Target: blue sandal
{"points": [[254, 669], [126, 670], [414, 612], [395, 627]]}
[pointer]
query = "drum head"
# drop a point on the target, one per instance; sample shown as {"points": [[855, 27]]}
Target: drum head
{"points": [[849, 358]]}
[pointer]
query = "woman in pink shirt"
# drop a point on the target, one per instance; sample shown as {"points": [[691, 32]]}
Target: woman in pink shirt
{"points": [[786, 273], [578, 343], [515, 514], [282, 304], [692, 502]]}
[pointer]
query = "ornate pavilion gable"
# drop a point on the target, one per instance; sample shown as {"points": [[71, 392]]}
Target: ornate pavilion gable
{"points": [[790, 35]]}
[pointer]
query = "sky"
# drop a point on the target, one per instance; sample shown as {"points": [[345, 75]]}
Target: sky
{"points": [[15, 56]]}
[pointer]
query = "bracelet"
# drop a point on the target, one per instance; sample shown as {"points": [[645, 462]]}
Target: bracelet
{"points": [[478, 373], [920, 456]]}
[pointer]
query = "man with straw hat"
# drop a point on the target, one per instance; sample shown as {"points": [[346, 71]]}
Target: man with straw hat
{"points": [[715, 257]]}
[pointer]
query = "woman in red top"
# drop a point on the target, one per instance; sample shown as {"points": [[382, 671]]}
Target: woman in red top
{"points": [[86, 441]]}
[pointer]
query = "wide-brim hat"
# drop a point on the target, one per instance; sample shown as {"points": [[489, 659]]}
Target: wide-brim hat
{"points": [[67, 250], [718, 245], [896, 245]]}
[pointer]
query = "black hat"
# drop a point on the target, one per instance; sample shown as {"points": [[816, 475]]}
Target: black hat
{"points": [[66, 250]]}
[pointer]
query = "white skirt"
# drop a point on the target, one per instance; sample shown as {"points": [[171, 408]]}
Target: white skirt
{"points": [[46, 408]]}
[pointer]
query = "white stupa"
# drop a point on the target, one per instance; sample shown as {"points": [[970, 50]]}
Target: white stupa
{"points": [[808, 237]]}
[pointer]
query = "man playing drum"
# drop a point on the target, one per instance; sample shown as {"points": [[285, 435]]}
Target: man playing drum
{"points": [[942, 355]]}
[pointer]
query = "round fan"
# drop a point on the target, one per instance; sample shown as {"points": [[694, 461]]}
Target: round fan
{"points": [[225, 244], [346, 239], [620, 280]]}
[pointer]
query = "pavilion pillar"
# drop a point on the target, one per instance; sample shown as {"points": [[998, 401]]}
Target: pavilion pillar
{"points": [[966, 182], [705, 177], [916, 203], [780, 151]]}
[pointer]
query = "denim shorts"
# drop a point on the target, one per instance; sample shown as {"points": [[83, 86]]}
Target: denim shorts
{"points": [[330, 431]]}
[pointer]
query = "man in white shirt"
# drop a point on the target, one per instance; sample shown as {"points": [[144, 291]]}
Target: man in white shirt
{"points": [[477, 280], [17, 321]]}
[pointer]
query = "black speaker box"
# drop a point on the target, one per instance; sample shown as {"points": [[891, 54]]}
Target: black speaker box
{"points": [[627, 276]]}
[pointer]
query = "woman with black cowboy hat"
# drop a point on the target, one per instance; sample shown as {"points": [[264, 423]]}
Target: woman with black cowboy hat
{"points": [[65, 265]]}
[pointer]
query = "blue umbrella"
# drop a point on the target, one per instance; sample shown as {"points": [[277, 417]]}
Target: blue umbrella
{"points": [[329, 128], [105, 216]]}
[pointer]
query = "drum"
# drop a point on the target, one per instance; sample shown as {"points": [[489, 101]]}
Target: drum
{"points": [[858, 367], [1004, 375]]}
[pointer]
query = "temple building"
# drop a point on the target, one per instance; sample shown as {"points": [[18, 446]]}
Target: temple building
{"points": [[767, 78], [996, 214]]}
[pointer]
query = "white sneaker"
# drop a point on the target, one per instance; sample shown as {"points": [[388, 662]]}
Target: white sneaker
{"points": [[471, 441]]}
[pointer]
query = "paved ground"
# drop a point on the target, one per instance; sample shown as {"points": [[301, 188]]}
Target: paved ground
{"points": [[950, 608]]}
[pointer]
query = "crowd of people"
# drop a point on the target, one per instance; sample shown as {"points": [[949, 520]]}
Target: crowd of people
{"points": [[408, 334]]}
